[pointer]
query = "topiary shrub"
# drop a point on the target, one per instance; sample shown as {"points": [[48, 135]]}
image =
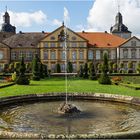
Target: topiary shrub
{"points": [[99, 68], [11, 68], [22, 79], [121, 67], [5, 68], [35, 69], [81, 71], [28, 67], [45, 70], [41, 71], [58, 68], [14, 77], [69, 67], [130, 67], [17, 67], [85, 73], [110, 67], [92, 73], [104, 78], [115, 68]]}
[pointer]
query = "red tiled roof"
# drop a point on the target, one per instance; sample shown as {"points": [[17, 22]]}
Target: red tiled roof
{"points": [[102, 40]]}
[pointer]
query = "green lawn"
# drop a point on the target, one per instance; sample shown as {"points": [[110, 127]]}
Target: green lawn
{"points": [[74, 85]]}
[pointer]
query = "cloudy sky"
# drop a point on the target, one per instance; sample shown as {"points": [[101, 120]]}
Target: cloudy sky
{"points": [[92, 15]]}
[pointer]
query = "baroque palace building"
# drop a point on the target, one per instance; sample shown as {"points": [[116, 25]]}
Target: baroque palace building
{"points": [[82, 46]]}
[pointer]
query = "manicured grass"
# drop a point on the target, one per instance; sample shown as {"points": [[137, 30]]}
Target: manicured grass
{"points": [[74, 85]]}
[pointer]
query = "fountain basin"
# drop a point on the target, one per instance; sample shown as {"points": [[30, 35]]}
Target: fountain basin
{"points": [[51, 100]]}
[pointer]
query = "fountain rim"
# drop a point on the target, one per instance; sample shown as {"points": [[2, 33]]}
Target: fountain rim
{"points": [[15, 100]]}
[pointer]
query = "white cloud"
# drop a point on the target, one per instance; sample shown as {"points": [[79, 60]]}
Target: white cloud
{"points": [[102, 15], [66, 16], [26, 19], [56, 22]]}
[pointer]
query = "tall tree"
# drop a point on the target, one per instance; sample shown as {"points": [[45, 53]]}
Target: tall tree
{"points": [[104, 78], [69, 67], [58, 68], [41, 71], [35, 69], [81, 71], [92, 73], [85, 74], [22, 79]]}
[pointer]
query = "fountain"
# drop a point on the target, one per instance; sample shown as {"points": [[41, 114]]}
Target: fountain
{"points": [[66, 108], [38, 116]]}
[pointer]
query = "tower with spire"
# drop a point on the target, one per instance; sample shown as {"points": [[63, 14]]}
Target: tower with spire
{"points": [[6, 26], [119, 28]]}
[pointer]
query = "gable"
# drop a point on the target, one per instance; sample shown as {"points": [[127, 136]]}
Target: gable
{"points": [[132, 42], [72, 36]]}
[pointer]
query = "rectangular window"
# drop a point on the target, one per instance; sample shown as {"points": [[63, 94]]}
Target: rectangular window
{"points": [[125, 53], [74, 67], [73, 44], [53, 67], [52, 44], [133, 43], [113, 54], [81, 44], [22, 54], [98, 55], [63, 55], [133, 53], [62, 67], [81, 55], [53, 55], [13, 55], [29, 55], [74, 55], [46, 45], [90, 54], [45, 55], [61, 44]]}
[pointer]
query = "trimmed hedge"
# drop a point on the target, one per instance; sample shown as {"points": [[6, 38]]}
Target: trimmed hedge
{"points": [[7, 85]]}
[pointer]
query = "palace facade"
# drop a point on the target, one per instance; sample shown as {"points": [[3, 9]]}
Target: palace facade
{"points": [[82, 46]]}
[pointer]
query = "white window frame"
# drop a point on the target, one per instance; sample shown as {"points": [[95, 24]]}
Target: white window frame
{"points": [[98, 54], [73, 44], [90, 55], [81, 55], [52, 44], [74, 55], [133, 53], [45, 55], [125, 53], [53, 55], [29, 55]]}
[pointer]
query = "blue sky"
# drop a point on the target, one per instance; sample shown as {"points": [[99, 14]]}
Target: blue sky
{"points": [[78, 12], [88, 15]]}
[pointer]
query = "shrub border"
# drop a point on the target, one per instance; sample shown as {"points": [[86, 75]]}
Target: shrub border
{"points": [[11, 100], [7, 85]]}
